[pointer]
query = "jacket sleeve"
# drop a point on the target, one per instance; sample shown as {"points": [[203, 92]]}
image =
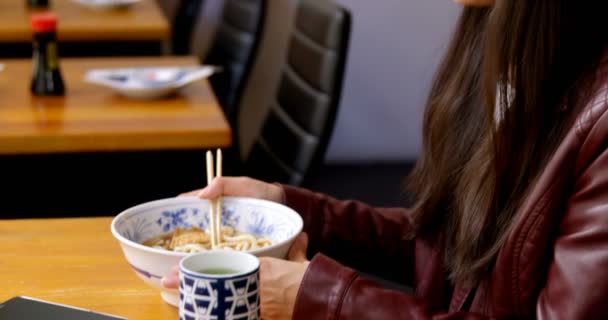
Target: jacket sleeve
{"points": [[372, 240], [331, 291], [577, 281], [576, 286]]}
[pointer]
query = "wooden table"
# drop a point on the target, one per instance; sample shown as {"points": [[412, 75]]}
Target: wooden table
{"points": [[91, 118], [142, 21], [76, 262]]}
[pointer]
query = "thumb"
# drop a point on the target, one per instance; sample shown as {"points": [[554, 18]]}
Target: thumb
{"points": [[297, 252], [213, 190]]}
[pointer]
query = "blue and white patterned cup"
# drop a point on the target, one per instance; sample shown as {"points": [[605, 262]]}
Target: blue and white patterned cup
{"points": [[219, 285]]}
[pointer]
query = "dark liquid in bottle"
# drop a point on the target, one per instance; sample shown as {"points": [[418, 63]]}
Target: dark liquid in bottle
{"points": [[37, 3], [46, 77]]}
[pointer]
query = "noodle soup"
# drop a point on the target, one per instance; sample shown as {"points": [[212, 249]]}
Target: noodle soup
{"points": [[197, 240], [146, 221]]}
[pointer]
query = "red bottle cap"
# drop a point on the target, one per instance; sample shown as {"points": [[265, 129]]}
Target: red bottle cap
{"points": [[44, 22]]}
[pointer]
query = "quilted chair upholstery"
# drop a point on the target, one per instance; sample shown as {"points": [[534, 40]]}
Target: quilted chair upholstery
{"points": [[234, 48], [296, 132]]}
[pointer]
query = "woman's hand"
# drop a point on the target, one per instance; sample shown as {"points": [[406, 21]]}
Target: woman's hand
{"points": [[279, 280], [171, 279], [241, 187]]}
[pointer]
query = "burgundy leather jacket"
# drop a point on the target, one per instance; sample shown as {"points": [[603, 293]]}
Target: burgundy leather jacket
{"points": [[554, 264]]}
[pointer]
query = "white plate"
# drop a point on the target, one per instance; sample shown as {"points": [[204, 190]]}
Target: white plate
{"points": [[106, 4], [148, 82]]}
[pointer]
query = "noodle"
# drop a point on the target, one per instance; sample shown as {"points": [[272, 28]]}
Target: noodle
{"points": [[196, 240]]}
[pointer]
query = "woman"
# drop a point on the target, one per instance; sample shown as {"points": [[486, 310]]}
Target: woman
{"points": [[511, 218]]}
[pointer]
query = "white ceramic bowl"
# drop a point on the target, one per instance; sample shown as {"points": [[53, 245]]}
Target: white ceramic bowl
{"points": [[137, 224]]}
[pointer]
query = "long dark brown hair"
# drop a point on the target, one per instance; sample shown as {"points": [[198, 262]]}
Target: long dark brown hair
{"points": [[499, 106]]}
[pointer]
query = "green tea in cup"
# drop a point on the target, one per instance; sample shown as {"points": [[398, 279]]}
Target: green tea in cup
{"points": [[217, 271]]}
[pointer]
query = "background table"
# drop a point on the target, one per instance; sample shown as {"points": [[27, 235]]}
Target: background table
{"points": [[76, 262], [94, 118], [104, 32], [98, 153]]}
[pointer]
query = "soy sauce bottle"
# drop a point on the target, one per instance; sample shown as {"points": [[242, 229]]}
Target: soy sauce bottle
{"points": [[46, 76], [38, 3]]}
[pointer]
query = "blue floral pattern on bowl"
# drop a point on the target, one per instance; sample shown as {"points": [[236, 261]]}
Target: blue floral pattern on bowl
{"points": [[254, 217]]}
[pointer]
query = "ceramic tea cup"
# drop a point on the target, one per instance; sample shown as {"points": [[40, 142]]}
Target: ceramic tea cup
{"points": [[219, 285]]}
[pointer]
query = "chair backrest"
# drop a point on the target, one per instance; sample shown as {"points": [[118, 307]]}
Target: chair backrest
{"points": [[182, 25], [234, 48], [296, 132]]}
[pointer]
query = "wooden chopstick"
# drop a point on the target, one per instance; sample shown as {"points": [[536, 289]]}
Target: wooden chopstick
{"points": [[218, 201], [212, 224], [215, 205]]}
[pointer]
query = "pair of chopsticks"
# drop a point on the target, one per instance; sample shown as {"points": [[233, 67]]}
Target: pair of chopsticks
{"points": [[215, 205]]}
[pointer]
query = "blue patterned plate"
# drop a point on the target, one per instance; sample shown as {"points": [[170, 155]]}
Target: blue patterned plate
{"points": [[107, 4], [149, 82]]}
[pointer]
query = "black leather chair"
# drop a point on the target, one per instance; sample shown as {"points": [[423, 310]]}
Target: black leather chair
{"points": [[296, 132], [234, 48]]}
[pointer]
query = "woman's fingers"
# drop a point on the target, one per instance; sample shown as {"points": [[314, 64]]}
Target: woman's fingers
{"points": [[220, 186], [241, 187], [297, 252], [216, 188], [193, 193], [232, 186], [171, 280]]}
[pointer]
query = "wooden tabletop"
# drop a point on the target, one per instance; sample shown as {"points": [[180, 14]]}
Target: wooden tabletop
{"points": [[142, 21], [76, 262], [94, 118]]}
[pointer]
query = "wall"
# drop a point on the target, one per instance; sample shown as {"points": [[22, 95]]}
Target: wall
{"points": [[395, 46]]}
